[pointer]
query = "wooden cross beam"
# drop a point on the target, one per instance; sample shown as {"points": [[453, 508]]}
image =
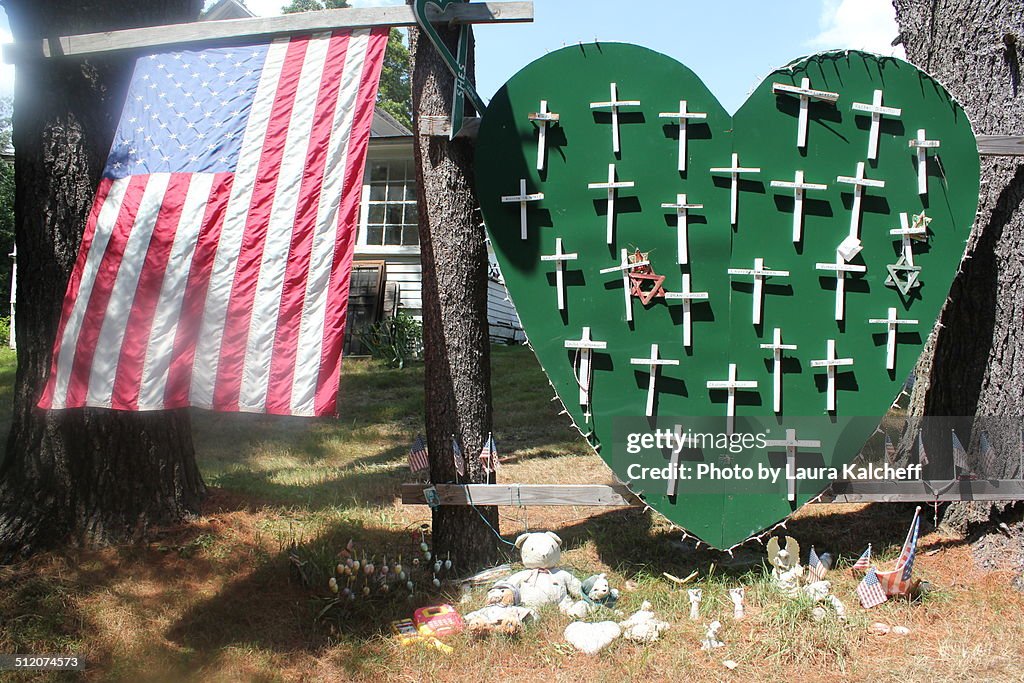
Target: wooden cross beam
{"points": [[559, 257], [614, 104], [731, 385], [840, 268], [799, 186], [687, 297], [806, 94], [682, 208], [851, 246], [611, 186], [830, 363], [682, 116], [585, 346], [877, 111], [653, 363], [777, 347], [624, 267], [682, 442], [791, 444], [923, 145], [170, 35], [907, 235], [760, 274], [542, 119], [891, 322], [735, 170], [522, 198]]}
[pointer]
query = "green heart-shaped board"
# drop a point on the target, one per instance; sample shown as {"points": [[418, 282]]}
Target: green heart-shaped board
{"points": [[578, 151]]}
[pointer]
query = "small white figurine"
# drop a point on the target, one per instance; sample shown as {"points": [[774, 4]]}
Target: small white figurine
{"points": [[711, 640], [736, 595], [694, 595], [643, 626]]}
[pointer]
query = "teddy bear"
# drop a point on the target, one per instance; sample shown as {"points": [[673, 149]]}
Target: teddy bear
{"points": [[502, 614], [542, 582], [597, 593]]}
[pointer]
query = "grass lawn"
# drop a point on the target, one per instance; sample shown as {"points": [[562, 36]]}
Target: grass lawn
{"points": [[218, 599]]}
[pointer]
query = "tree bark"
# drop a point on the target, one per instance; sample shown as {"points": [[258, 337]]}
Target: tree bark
{"points": [[455, 331], [973, 364], [92, 476]]}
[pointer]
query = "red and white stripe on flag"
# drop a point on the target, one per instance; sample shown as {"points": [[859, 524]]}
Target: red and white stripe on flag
{"points": [[225, 285]]}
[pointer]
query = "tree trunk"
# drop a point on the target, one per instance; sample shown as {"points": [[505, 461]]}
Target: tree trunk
{"points": [[455, 332], [973, 365], [77, 476]]}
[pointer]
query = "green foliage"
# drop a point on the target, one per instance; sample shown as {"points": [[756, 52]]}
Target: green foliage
{"points": [[6, 201], [395, 93], [395, 340], [5, 331]]}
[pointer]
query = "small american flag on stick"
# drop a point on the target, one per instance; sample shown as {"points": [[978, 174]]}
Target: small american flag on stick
{"points": [[815, 567], [988, 456], [863, 562], [922, 456], [959, 457], [460, 462], [418, 460], [869, 591], [489, 455], [890, 450]]}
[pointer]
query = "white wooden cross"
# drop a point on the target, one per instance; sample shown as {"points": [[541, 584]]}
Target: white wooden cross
{"points": [[923, 145], [682, 209], [830, 362], [907, 234], [559, 257], [522, 198], [680, 442], [840, 268], [654, 363], [877, 111], [624, 267], [777, 348], [891, 322], [735, 171], [806, 94], [585, 346], [798, 186], [611, 186], [791, 444], [851, 246], [682, 116], [687, 297], [760, 275], [614, 104], [731, 385], [542, 119]]}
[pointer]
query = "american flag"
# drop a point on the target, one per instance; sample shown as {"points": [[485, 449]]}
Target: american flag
{"points": [[815, 567], [897, 581], [959, 457], [922, 456], [418, 460], [863, 562], [489, 455], [988, 456], [869, 591], [890, 450], [460, 462], [214, 267]]}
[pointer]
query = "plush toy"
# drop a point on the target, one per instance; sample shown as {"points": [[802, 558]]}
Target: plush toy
{"points": [[643, 626], [591, 638], [542, 582], [597, 593], [503, 613]]}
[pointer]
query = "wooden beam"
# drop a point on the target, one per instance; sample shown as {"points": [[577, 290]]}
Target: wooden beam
{"points": [[597, 495], [522, 494], [150, 37], [1000, 145]]}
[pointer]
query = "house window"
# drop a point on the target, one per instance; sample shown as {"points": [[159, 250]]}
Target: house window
{"points": [[391, 215]]}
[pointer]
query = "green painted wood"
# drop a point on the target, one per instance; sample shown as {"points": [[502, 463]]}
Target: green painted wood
{"points": [[763, 133]]}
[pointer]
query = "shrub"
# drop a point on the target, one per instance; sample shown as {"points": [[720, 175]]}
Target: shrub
{"points": [[395, 340], [5, 331]]}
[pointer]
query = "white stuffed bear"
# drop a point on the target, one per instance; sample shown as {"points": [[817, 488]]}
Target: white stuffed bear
{"points": [[542, 582]]}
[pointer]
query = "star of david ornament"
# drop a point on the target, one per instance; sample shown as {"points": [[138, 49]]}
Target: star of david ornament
{"points": [[644, 275]]}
